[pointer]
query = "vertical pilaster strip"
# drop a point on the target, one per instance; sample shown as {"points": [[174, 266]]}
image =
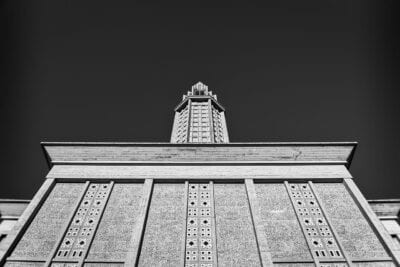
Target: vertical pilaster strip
{"points": [[189, 120], [65, 227], [186, 219], [262, 243], [336, 236], [373, 220], [132, 256], [302, 226], [200, 247], [213, 225], [211, 119], [106, 195], [26, 218]]}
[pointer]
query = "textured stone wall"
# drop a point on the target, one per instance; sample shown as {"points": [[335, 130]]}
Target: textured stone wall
{"points": [[116, 227], [163, 243], [169, 213], [284, 235], [236, 243], [356, 235], [41, 236]]}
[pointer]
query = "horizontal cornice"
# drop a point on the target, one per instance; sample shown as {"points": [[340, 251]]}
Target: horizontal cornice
{"points": [[200, 98], [261, 153]]}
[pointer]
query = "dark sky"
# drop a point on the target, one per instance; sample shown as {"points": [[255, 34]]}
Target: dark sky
{"points": [[285, 71]]}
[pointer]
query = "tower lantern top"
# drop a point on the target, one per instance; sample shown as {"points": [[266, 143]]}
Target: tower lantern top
{"points": [[200, 89]]}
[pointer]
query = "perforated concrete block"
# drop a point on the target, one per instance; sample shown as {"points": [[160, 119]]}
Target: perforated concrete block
{"points": [[353, 230]]}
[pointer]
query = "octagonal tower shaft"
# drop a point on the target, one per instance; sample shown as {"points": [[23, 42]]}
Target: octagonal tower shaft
{"points": [[199, 118]]}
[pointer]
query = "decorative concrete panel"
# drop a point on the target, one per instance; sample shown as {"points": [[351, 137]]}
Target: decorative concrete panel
{"points": [[164, 238], [41, 236], [354, 232], [236, 243], [319, 234], [82, 227], [281, 227], [117, 224], [200, 249]]}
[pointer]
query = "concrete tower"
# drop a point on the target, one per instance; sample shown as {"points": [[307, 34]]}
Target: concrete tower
{"points": [[199, 118], [198, 201]]}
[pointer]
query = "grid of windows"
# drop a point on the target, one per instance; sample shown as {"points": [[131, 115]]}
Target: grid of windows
{"points": [[200, 123]]}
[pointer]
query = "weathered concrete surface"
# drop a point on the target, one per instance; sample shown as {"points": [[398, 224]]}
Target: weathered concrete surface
{"points": [[41, 236], [236, 243], [356, 235], [284, 235], [116, 227], [165, 230]]}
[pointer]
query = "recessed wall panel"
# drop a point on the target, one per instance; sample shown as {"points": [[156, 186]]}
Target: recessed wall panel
{"points": [[163, 243], [356, 235], [281, 227], [117, 224], [41, 236], [236, 243]]}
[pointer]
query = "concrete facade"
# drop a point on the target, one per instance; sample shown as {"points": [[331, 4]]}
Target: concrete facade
{"points": [[10, 211], [199, 118], [199, 201], [388, 211]]}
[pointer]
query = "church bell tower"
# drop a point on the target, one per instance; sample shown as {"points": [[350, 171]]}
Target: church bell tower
{"points": [[199, 118]]}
